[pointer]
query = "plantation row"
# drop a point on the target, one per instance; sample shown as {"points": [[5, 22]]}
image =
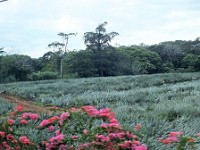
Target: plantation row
{"points": [[161, 103]]}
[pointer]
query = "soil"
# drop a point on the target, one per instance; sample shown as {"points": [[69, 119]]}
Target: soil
{"points": [[26, 103]]}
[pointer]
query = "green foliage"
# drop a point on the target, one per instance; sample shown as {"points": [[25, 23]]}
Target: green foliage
{"points": [[80, 63], [142, 61], [46, 75], [190, 61], [16, 67], [105, 63], [5, 106], [98, 40]]}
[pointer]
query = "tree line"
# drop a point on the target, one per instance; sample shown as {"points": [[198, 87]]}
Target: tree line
{"points": [[101, 59]]}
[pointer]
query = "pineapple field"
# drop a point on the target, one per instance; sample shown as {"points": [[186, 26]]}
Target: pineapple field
{"points": [[148, 106]]}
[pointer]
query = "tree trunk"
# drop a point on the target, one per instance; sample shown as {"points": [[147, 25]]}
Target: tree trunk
{"points": [[61, 67]]}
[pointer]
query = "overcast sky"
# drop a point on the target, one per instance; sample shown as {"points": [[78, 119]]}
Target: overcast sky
{"points": [[28, 26]]}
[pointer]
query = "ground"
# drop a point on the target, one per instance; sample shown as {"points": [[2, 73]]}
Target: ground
{"points": [[26, 103]]}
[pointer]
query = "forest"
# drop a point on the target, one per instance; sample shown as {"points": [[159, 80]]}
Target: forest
{"points": [[101, 59]]}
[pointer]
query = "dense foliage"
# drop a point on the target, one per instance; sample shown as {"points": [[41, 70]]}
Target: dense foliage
{"points": [[101, 59]]}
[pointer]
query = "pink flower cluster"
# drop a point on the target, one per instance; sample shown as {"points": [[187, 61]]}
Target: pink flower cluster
{"points": [[172, 138], [6, 140], [54, 119], [111, 134], [30, 116], [54, 142], [103, 113]]}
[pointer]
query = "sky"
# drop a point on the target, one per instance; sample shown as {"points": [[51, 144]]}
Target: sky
{"points": [[28, 26]]}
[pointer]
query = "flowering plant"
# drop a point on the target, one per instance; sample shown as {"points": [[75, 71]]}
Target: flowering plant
{"points": [[83, 128]]}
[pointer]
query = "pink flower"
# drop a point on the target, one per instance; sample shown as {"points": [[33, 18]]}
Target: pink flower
{"points": [[33, 116], [5, 144], [30, 115], [50, 128], [138, 126], [25, 115], [105, 112], [102, 138], [11, 121], [74, 137], [91, 111], [57, 138], [140, 147], [85, 131], [170, 140], [24, 122], [2, 134], [24, 140], [57, 132], [9, 137], [13, 114], [173, 139], [115, 125], [64, 116], [44, 123], [53, 119], [104, 125], [126, 145], [19, 108], [113, 120], [175, 134]]}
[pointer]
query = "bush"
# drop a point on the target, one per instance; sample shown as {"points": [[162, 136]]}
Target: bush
{"points": [[46, 75], [77, 129]]}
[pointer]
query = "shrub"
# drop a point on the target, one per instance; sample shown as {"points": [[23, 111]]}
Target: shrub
{"points": [[46, 75], [83, 128]]}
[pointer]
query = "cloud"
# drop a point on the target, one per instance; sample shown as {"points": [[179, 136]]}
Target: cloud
{"points": [[30, 25]]}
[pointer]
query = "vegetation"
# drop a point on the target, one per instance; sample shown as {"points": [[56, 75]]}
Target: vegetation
{"points": [[161, 103], [100, 59], [85, 128], [5, 106], [165, 101]]}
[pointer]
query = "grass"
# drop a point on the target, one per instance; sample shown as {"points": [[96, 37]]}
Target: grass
{"points": [[161, 103]]}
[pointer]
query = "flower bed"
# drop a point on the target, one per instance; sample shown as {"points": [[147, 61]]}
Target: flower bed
{"points": [[76, 129]]}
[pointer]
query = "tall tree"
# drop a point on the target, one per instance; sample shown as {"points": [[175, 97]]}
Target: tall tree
{"points": [[61, 48], [57, 46], [98, 40], [65, 38]]}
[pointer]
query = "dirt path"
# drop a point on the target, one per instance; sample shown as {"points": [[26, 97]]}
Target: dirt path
{"points": [[27, 104]]}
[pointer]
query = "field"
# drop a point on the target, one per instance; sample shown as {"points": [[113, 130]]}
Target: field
{"points": [[161, 103]]}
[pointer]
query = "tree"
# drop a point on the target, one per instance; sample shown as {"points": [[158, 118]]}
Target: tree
{"points": [[170, 53], [97, 42], [16, 67], [65, 38], [81, 64], [59, 54], [142, 60], [3, 0], [85, 64], [1, 50], [60, 51]]}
